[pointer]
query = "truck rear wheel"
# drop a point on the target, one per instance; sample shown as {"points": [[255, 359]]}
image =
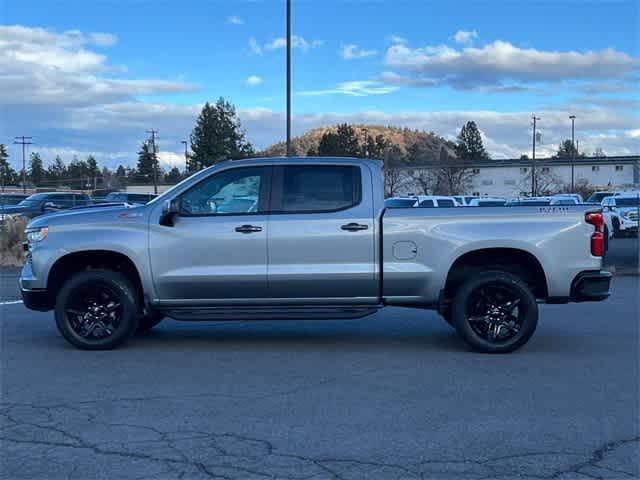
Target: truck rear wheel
{"points": [[97, 309], [495, 312]]}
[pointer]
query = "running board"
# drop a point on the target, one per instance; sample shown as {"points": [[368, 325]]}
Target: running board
{"points": [[295, 312]]}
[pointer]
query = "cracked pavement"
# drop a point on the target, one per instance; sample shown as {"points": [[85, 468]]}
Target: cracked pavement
{"points": [[392, 396]]}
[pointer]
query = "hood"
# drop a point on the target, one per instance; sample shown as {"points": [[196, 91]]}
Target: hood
{"points": [[14, 209], [91, 214]]}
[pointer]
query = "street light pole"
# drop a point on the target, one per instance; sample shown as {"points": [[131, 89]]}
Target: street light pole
{"points": [[533, 158], [288, 78], [573, 151]]}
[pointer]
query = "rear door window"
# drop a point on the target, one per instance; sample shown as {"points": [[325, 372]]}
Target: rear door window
{"points": [[446, 203], [317, 188], [426, 204]]}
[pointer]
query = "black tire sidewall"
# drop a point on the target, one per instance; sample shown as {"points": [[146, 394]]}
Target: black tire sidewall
{"points": [[128, 300], [527, 302]]}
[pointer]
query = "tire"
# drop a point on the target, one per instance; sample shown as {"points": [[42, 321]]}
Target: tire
{"points": [[447, 317], [97, 309], [147, 322], [479, 312]]}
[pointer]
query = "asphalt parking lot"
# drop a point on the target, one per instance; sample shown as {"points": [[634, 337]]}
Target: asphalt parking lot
{"points": [[395, 395]]}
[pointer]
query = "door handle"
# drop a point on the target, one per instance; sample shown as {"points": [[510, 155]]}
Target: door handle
{"points": [[248, 229], [354, 227]]}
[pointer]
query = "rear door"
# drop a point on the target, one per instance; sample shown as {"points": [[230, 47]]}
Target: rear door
{"points": [[321, 235]]}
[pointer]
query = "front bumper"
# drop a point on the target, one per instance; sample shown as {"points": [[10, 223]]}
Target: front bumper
{"points": [[34, 298], [591, 286]]}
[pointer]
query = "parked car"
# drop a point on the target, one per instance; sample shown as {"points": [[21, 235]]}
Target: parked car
{"points": [[564, 201], [319, 244], [11, 198], [463, 200], [621, 214], [428, 201], [487, 202], [126, 197], [529, 202], [597, 197], [40, 203], [576, 196], [400, 202]]}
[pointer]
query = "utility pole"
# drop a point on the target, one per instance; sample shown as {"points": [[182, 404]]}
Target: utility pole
{"points": [[573, 151], [366, 142], [24, 141], [288, 78], [533, 158], [155, 160], [186, 155]]}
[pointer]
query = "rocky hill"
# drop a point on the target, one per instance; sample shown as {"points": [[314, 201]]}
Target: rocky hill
{"points": [[424, 147]]}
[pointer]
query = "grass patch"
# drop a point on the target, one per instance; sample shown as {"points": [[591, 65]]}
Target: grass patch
{"points": [[11, 238]]}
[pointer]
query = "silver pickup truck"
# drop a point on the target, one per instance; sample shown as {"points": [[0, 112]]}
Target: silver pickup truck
{"points": [[307, 238]]}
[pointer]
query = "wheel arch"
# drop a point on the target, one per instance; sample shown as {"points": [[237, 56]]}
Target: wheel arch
{"points": [[78, 261], [517, 261]]}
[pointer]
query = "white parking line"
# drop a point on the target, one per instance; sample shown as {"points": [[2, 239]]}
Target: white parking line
{"points": [[11, 302]]}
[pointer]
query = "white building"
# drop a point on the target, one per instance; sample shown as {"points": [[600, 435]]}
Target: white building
{"points": [[512, 177]]}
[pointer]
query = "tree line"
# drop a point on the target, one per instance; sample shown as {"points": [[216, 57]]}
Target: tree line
{"points": [[218, 135]]}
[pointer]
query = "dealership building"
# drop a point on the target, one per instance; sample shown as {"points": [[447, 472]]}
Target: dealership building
{"points": [[512, 177]]}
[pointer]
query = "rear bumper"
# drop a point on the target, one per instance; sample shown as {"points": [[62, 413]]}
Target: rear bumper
{"points": [[591, 286]]}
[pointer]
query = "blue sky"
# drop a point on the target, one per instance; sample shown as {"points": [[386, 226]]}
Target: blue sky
{"points": [[90, 76]]}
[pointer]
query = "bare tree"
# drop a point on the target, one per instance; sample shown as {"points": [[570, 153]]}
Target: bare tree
{"points": [[546, 182], [393, 181], [424, 181], [452, 180]]}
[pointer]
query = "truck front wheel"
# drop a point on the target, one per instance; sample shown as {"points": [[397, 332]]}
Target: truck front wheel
{"points": [[495, 312], [97, 309]]}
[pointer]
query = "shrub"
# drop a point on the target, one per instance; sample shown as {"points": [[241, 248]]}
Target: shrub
{"points": [[11, 238]]}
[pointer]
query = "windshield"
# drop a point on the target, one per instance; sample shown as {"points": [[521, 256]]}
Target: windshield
{"points": [[33, 200], [597, 197], [627, 202]]}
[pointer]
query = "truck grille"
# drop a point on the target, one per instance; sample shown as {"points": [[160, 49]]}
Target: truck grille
{"points": [[633, 216]]}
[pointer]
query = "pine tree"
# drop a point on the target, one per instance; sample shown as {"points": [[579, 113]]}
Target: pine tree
{"points": [[57, 171], [469, 146], [342, 143], [566, 149], [7, 174], [217, 136], [174, 176], [144, 170], [37, 172]]}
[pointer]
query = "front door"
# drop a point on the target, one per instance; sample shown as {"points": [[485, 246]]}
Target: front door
{"points": [[321, 235], [216, 250]]}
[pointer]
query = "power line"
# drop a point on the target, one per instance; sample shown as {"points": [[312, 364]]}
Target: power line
{"points": [[23, 141]]}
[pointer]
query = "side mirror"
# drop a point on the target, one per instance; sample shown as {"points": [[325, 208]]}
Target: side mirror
{"points": [[170, 210]]}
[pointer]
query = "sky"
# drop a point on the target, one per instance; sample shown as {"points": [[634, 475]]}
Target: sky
{"points": [[93, 77]]}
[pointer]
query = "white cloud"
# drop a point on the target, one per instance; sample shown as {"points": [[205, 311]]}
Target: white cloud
{"points": [[254, 80], [362, 88], [393, 78], [500, 63], [397, 39], [234, 20], [254, 46], [465, 37], [296, 42], [102, 39], [170, 159], [351, 51]]}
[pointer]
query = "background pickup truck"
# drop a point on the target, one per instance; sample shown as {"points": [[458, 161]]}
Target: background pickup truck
{"points": [[283, 238]]}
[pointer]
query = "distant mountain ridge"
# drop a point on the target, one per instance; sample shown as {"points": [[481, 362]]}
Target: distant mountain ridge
{"points": [[416, 146]]}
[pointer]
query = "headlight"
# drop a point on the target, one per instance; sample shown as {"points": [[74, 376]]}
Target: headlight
{"points": [[35, 235], [625, 215]]}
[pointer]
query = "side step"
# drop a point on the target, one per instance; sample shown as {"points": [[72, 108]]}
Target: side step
{"points": [[294, 312]]}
